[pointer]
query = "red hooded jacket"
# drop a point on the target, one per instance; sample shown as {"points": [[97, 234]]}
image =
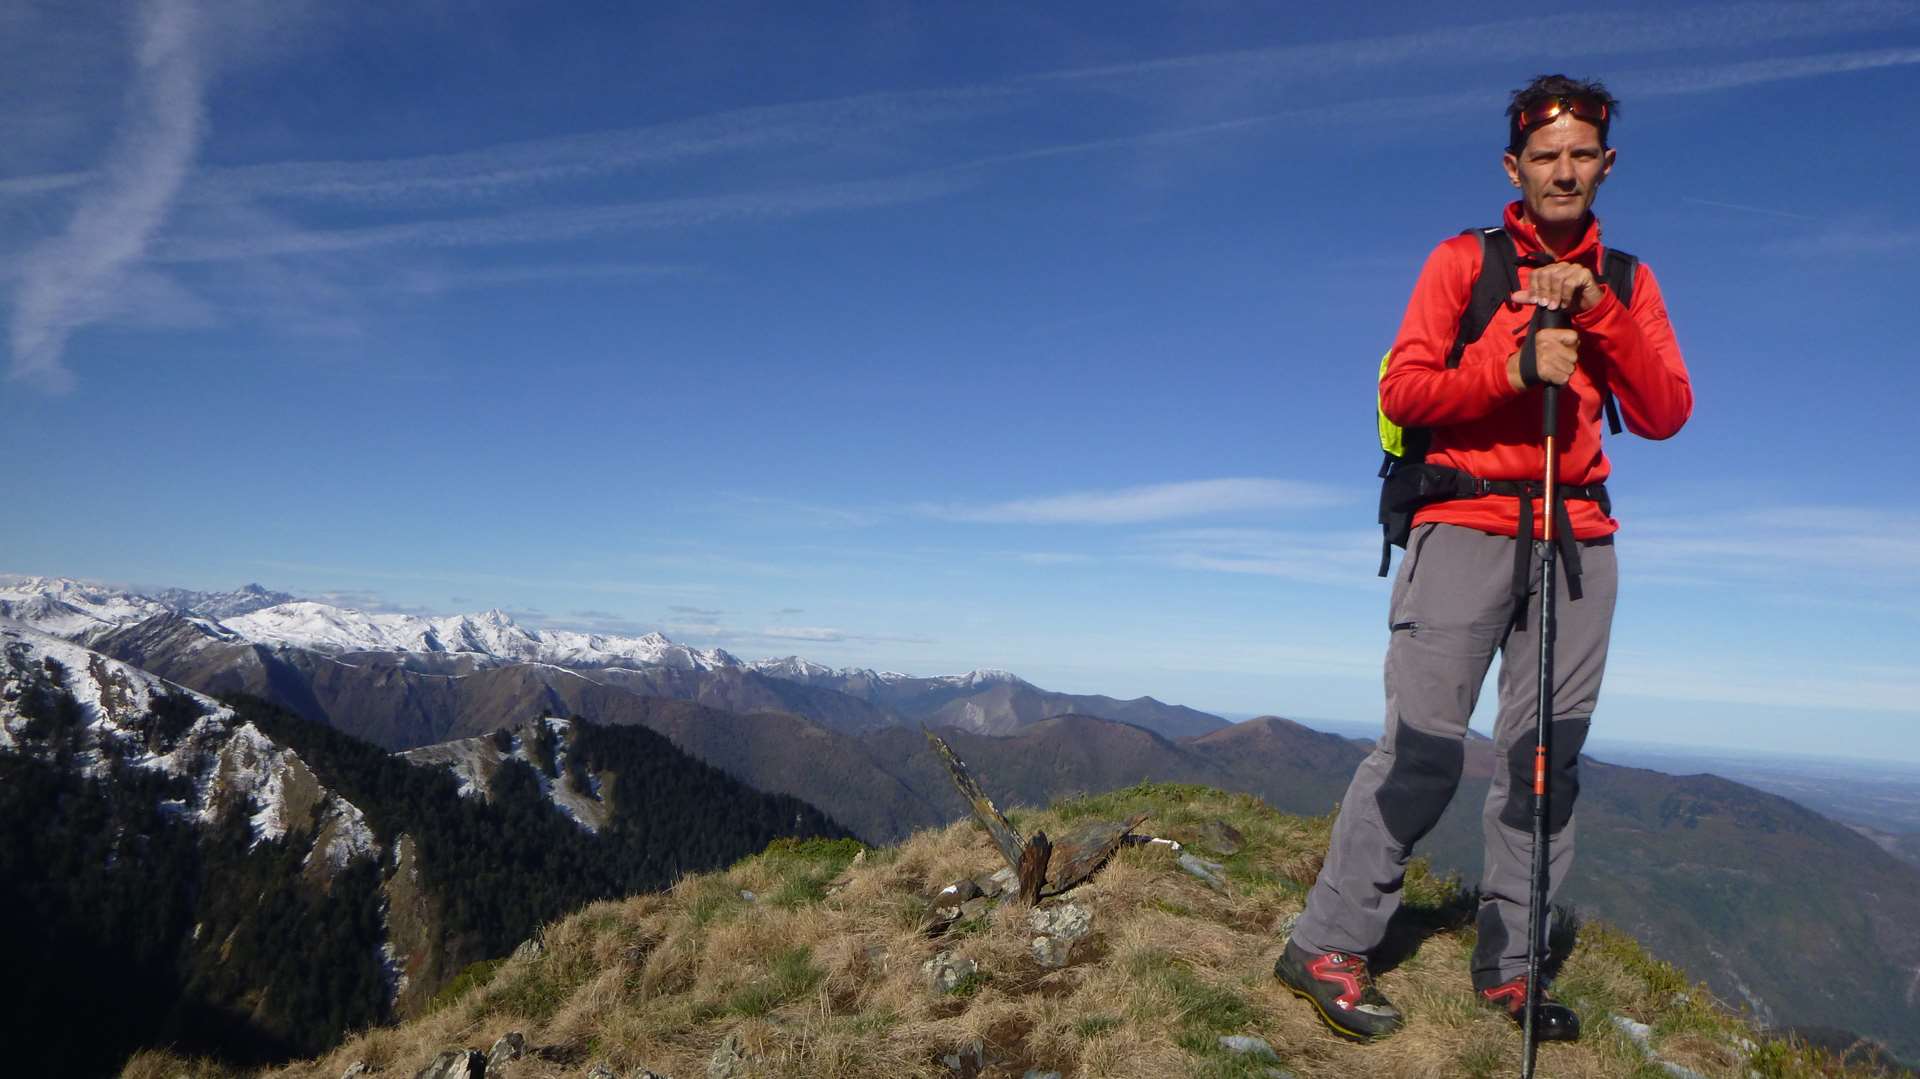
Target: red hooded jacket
{"points": [[1483, 426]]}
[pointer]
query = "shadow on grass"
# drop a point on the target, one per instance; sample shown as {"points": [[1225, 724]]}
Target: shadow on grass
{"points": [[1415, 922]]}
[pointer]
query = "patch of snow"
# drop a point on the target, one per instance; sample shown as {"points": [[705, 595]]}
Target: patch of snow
{"points": [[393, 965], [1759, 1006], [347, 834], [584, 807], [253, 766]]}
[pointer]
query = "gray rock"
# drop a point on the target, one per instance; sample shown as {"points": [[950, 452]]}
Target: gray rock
{"points": [[749, 896], [455, 1064], [602, 1070], [1221, 837], [356, 1069], [1248, 1045], [729, 1061], [1066, 921], [1005, 882], [1050, 952], [1212, 874], [511, 1046], [944, 972], [968, 1062], [1283, 925], [1639, 1033], [1058, 928], [528, 951], [1642, 1036], [949, 905], [1036, 1073]]}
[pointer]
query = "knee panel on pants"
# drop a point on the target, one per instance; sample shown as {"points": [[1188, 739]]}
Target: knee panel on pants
{"points": [[1566, 737], [1426, 769]]}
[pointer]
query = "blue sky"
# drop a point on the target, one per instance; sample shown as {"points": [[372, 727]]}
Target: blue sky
{"points": [[930, 337]]}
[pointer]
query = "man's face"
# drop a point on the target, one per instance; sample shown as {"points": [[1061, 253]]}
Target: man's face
{"points": [[1559, 171]]}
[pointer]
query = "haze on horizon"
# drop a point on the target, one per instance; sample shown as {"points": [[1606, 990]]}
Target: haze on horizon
{"points": [[928, 341]]}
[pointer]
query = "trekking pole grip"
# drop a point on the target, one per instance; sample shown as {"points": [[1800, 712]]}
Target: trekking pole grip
{"points": [[1545, 318]]}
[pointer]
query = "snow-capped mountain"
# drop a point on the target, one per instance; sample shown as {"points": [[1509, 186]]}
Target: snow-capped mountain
{"points": [[246, 599], [79, 611], [326, 628], [187, 634], [72, 609], [122, 714], [796, 669]]}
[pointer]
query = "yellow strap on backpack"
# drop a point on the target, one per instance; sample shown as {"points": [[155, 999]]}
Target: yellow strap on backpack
{"points": [[1392, 438]]}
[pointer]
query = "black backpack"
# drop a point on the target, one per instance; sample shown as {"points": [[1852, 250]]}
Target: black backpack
{"points": [[1407, 481]]}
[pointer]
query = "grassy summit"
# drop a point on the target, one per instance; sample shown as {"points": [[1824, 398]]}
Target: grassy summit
{"points": [[808, 960]]}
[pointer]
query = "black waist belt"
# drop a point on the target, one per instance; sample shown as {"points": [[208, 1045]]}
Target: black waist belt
{"points": [[1422, 484], [1526, 491]]}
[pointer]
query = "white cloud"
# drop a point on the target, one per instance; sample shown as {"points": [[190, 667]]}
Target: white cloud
{"points": [[71, 279], [1727, 680], [493, 171], [803, 633], [1154, 502], [124, 208], [546, 226], [1794, 543], [1849, 241], [1312, 557], [1706, 78]]}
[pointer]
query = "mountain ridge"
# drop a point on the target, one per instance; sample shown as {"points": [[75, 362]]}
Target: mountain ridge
{"points": [[852, 699], [239, 879]]}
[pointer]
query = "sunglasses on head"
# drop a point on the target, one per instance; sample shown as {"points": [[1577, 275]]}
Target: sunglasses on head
{"points": [[1582, 106]]}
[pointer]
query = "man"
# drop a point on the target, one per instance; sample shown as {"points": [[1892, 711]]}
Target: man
{"points": [[1463, 587]]}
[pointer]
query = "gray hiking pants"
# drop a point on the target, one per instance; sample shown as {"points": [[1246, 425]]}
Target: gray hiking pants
{"points": [[1452, 608]]}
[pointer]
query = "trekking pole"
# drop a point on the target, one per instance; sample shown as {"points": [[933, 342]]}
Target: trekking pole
{"points": [[1543, 319]]}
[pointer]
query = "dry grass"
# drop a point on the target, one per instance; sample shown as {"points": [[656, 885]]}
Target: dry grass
{"points": [[819, 974]]}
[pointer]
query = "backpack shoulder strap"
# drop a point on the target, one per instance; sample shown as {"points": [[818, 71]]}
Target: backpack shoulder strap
{"points": [[1619, 271], [1498, 279]]}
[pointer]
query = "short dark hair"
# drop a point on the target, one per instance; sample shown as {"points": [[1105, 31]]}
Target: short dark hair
{"points": [[1546, 88]]}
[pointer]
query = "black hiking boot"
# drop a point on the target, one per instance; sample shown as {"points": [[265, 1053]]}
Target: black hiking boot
{"points": [[1554, 1022], [1339, 986]]}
